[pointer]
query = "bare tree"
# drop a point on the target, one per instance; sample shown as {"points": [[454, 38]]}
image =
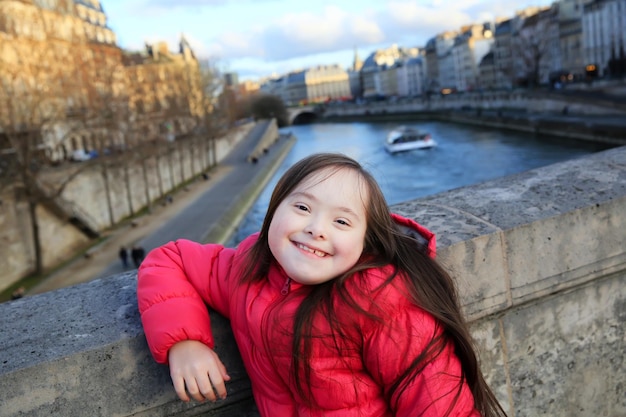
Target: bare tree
{"points": [[228, 105], [533, 49], [38, 102], [153, 92], [210, 125], [210, 122], [107, 119], [193, 113]]}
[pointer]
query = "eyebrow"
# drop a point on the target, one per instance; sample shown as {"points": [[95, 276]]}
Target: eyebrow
{"points": [[312, 197]]}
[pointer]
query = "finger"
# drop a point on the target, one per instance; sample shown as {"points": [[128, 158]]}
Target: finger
{"points": [[194, 390], [179, 387], [218, 382], [223, 371], [206, 389]]}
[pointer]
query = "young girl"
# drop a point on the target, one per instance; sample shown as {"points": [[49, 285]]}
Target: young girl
{"points": [[337, 306]]}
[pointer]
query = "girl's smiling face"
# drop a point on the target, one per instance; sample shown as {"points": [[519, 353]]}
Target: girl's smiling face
{"points": [[318, 230]]}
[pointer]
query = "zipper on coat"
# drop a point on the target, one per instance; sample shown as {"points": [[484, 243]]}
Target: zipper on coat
{"points": [[285, 289]]}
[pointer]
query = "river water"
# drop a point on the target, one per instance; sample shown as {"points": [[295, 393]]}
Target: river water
{"points": [[465, 155]]}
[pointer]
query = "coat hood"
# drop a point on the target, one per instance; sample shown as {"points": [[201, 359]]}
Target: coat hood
{"points": [[424, 237]]}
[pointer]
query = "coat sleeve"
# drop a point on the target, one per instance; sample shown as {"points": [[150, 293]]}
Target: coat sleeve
{"points": [[389, 349], [173, 284]]}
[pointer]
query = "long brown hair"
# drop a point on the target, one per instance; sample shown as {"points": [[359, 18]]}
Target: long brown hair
{"points": [[430, 286]]}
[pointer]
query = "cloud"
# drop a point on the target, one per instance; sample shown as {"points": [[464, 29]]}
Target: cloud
{"points": [[365, 31], [255, 69], [300, 34], [264, 34], [331, 28], [297, 34], [234, 45], [406, 20], [169, 4]]}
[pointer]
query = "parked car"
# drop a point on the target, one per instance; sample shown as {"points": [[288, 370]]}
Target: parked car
{"points": [[81, 155]]}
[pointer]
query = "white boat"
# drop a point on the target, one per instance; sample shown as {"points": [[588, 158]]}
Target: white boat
{"points": [[405, 138]]}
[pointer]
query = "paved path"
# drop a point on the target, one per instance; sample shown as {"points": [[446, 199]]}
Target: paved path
{"points": [[207, 210]]}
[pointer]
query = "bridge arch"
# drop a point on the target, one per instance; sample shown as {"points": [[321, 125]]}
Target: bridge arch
{"points": [[302, 115]]}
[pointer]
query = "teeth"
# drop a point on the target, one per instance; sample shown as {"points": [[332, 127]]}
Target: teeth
{"points": [[316, 252]]}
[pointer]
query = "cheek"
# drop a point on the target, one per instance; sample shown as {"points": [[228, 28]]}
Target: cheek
{"points": [[271, 236], [352, 248], [358, 251], [275, 235], [281, 222]]}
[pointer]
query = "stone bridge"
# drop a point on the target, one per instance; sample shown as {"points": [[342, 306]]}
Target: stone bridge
{"points": [[540, 259], [301, 114]]}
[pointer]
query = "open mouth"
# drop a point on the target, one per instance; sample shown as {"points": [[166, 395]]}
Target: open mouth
{"points": [[315, 252]]}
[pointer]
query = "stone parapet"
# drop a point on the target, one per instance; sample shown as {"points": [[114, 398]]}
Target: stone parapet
{"points": [[540, 259]]}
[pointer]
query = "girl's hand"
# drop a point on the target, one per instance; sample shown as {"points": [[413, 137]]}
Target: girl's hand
{"points": [[197, 367]]}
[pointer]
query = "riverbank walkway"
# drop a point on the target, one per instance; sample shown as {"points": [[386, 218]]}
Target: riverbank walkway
{"points": [[206, 210]]}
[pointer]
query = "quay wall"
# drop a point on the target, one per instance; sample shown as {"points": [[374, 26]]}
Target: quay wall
{"points": [[104, 197], [537, 102], [570, 116], [540, 262]]}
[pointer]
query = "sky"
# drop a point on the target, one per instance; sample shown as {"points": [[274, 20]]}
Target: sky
{"points": [[259, 38]]}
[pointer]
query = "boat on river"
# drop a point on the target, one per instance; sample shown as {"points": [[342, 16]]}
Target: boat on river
{"points": [[404, 138]]}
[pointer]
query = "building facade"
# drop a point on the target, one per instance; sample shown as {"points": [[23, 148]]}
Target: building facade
{"points": [[468, 51], [69, 87], [571, 37], [312, 85], [604, 37], [503, 54], [411, 77], [569, 40]]}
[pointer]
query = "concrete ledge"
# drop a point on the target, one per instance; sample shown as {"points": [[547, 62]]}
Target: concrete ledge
{"points": [[81, 351], [541, 263], [531, 234]]}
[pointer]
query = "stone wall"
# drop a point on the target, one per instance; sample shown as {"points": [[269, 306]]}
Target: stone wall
{"points": [[534, 102], [89, 195], [540, 259]]}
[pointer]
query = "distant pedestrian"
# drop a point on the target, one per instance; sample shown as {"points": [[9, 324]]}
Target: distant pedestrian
{"points": [[18, 293], [137, 253], [124, 256]]}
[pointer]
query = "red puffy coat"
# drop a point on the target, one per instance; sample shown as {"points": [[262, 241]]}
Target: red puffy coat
{"points": [[177, 279]]}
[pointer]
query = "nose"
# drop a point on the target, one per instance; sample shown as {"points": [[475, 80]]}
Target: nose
{"points": [[315, 228]]}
